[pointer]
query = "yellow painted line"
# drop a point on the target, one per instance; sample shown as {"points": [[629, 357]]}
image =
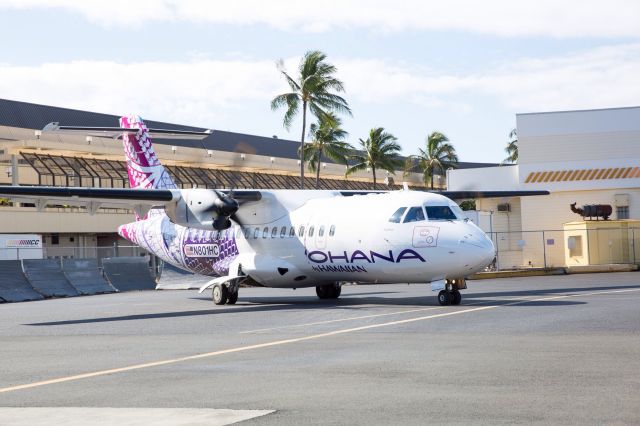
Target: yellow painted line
{"points": [[606, 174], [541, 177], [620, 173], [563, 175], [600, 173], [591, 174], [537, 177], [626, 172], [286, 341], [636, 172]]}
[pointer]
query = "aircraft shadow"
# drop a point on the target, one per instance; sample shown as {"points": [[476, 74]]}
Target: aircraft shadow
{"points": [[542, 292], [262, 304]]}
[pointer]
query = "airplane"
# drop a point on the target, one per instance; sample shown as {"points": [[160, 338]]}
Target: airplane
{"points": [[283, 238]]}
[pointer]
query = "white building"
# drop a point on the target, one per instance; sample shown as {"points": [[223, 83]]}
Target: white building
{"points": [[586, 157]]}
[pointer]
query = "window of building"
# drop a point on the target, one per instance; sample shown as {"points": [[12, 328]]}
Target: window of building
{"points": [[283, 232], [292, 232], [265, 232], [395, 218], [332, 230], [55, 239], [622, 212], [440, 213], [274, 232], [311, 229], [321, 231], [301, 232], [415, 214]]}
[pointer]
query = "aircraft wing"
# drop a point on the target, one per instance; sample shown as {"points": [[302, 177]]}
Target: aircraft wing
{"points": [[461, 195], [92, 198]]}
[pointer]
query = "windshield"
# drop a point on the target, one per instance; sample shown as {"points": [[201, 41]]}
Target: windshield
{"points": [[414, 214], [440, 213]]}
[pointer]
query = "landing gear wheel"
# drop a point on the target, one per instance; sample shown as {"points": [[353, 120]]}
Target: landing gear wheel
{"points": [[456, 297], [219, 294], [444, 298], [328, 291], [233, 298]]}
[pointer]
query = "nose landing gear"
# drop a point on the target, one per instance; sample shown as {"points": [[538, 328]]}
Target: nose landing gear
{"points": [[451, 295]]}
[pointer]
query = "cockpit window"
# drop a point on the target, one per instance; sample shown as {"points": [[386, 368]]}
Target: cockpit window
{"points": [[414, 214], [440, 213], [395, 218]]}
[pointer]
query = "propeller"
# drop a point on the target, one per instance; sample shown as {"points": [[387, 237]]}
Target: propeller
{"points": [[225, 207]]}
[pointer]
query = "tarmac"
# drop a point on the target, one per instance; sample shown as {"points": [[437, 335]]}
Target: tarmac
{"points": [[547, 350]]}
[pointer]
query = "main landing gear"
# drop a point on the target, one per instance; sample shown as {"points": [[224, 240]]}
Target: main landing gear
{"points": [[329, 291], [224, 294]]}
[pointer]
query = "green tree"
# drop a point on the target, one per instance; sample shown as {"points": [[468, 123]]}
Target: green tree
{"points": [[379, 151], [327, 140], [438, 155], [512, 148], [312, 89]]}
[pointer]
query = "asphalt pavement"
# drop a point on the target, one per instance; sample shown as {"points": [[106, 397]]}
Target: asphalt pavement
{"points": [[551, 350]]}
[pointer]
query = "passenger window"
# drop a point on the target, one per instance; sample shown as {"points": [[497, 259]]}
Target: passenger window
{"points": [[311, 231], [321, 231], [414, 214], [256, 232], [395, 218], [332, 230], [274, 232], [440, 213], [292, 232], [301, 232], [265, 232], [283, 232], [247, 233]]}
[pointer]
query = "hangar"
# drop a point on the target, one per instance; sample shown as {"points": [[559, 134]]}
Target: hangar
{"points": [[586, 157]]}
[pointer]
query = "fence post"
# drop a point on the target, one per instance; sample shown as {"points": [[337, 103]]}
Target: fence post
{"points": [[497, 251], [544, 250], [633, 243]]}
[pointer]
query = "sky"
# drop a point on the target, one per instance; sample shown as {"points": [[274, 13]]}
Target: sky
{"points": [[461, 67]]}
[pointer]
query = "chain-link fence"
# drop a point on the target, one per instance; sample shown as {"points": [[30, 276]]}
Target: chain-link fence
{"points": [[565, 247]]}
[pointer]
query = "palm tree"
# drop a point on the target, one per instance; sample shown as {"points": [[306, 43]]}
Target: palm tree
{"points": [[379, 151], [439, 155], [312, 88], [328, 140], [512, 148]]}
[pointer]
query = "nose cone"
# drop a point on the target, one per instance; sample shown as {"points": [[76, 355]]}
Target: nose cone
{"points": [[479, 250]]}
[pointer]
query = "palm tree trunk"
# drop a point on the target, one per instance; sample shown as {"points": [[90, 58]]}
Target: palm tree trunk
{"points": [[432, 180], [373, 169], [304, 126], [318, 169]]}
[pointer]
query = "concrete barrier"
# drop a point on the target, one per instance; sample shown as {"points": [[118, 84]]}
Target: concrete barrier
{"points": [[46, 276], [14, 286], [174, 278], [85, 276], [128, 273]]}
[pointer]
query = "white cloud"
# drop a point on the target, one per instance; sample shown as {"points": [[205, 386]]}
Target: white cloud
{"points": [[566, 18], [203, 92]]}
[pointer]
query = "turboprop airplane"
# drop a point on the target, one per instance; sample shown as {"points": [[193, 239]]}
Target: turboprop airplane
{"points": [[283, 238]]}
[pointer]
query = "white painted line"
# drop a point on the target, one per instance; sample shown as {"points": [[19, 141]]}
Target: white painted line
{"points": [[342, 320], [124, 416], [292, 340]]}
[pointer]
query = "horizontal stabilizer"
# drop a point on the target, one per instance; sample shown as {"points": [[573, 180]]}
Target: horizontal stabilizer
{"points": [[117, 132]]}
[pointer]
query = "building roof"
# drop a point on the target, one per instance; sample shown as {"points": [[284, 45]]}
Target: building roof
{"points": [[35, 116]]}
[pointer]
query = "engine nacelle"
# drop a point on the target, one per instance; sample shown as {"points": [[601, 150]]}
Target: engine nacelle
{"points": [[270, 271], [200, 208]]}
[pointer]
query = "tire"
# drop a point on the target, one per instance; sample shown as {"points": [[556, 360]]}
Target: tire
{"points": [[232, 299], [335, 291], [444, 298], [456, 297], [219, 294], [322, 291]]}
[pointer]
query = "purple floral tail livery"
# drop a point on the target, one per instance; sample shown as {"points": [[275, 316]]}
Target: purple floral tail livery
{"points": [[143, 166]]}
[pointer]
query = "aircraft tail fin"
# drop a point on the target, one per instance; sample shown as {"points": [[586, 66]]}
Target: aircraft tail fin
{"points": [[143, 167]]}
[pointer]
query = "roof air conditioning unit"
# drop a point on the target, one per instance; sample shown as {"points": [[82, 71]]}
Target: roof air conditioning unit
{"points": [[505, 207]]}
